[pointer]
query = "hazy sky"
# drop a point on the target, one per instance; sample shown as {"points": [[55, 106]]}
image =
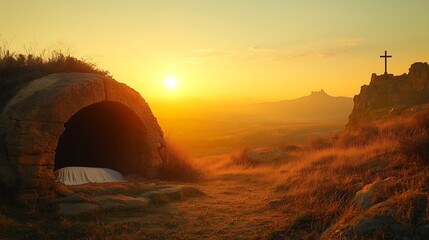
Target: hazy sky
{"points": [[244, 50]]}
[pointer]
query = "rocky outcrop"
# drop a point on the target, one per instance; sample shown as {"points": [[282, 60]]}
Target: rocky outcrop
{"points": [[387, 95]]}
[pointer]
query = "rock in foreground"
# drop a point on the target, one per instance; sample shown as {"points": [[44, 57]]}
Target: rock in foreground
{"points": [[114, 197]]}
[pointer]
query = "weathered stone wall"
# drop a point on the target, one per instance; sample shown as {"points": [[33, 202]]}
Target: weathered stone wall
{"points": [[33, 120], [389, 95]]}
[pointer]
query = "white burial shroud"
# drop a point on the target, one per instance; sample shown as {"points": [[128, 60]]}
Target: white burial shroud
{"points": [[81, 175]]}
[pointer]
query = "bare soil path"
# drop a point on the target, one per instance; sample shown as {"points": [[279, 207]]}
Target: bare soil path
{"points": [[233, 208]]}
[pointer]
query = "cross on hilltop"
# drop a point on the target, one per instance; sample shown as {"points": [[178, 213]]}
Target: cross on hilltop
{"points": [[385, 61]]}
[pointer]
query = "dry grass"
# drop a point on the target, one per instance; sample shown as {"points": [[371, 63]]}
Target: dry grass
{"points": [[320, 184], [314, 188], [20, 68], [241, 159], [178, 166], [320, 142], [416, 145]]}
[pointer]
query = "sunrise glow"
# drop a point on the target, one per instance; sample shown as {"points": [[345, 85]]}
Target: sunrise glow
{"points": [[215, 119], [170, 82]]}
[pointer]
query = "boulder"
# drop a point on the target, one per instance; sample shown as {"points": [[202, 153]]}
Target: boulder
{"points": [[71, 209], [121, 202], [367, 196]]}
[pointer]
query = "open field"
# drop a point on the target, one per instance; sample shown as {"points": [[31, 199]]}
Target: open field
{"points": [[215, 137]]}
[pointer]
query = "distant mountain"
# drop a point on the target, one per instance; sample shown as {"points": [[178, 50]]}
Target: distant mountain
{"points": [[316, 106]]}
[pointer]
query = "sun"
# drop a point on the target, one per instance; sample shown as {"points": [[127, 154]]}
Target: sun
{"points": [[170, 82]]}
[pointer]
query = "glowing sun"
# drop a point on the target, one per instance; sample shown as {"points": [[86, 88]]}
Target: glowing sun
{"points": [[170, 82]]}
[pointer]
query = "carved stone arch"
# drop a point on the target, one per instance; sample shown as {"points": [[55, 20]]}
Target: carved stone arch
{"points": [[35, 118]]}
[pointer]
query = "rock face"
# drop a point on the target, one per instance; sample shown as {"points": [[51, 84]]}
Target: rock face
{"points": [[33, 121], [389, 95]]}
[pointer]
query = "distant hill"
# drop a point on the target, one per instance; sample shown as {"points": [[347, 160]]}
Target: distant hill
{"points": [[211, 128], [316, 106]]}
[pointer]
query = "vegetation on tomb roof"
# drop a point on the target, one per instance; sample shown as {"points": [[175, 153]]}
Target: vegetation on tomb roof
{"points": [[17, 69]]}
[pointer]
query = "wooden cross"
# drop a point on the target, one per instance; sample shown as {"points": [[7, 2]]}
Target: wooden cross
{"points": [[385, 61]]}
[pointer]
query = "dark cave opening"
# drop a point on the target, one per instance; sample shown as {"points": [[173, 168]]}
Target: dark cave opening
{"points": [[106, 134]]}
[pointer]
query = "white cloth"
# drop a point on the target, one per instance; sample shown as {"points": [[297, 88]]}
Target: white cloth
{"points": [[81, 175]]}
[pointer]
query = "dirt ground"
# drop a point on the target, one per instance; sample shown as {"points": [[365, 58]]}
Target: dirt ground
{"points": [[231, 209], [234, 206]]}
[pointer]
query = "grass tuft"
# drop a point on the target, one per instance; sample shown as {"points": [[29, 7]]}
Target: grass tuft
{"points": [[178, 166], [241, 159], [415, 145], [17, 69]]}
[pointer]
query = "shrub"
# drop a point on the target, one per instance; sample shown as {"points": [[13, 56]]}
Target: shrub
{"points": [[359, 136], [319, 142], [241, 159], [177, 166], [415, 145], [401, 128]]}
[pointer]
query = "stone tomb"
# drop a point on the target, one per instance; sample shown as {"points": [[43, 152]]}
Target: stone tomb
{"points": [[74, 119]]}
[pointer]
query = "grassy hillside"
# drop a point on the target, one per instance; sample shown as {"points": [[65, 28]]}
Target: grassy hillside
{"points": [[317, 183]]}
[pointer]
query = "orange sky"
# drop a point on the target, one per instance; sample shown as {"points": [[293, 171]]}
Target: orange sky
{"points": [[228, 50]]}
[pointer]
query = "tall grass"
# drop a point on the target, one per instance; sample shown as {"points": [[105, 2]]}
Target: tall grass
{"points": [[241, 159], [19, 68], [44, 61], [177, 165]]}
